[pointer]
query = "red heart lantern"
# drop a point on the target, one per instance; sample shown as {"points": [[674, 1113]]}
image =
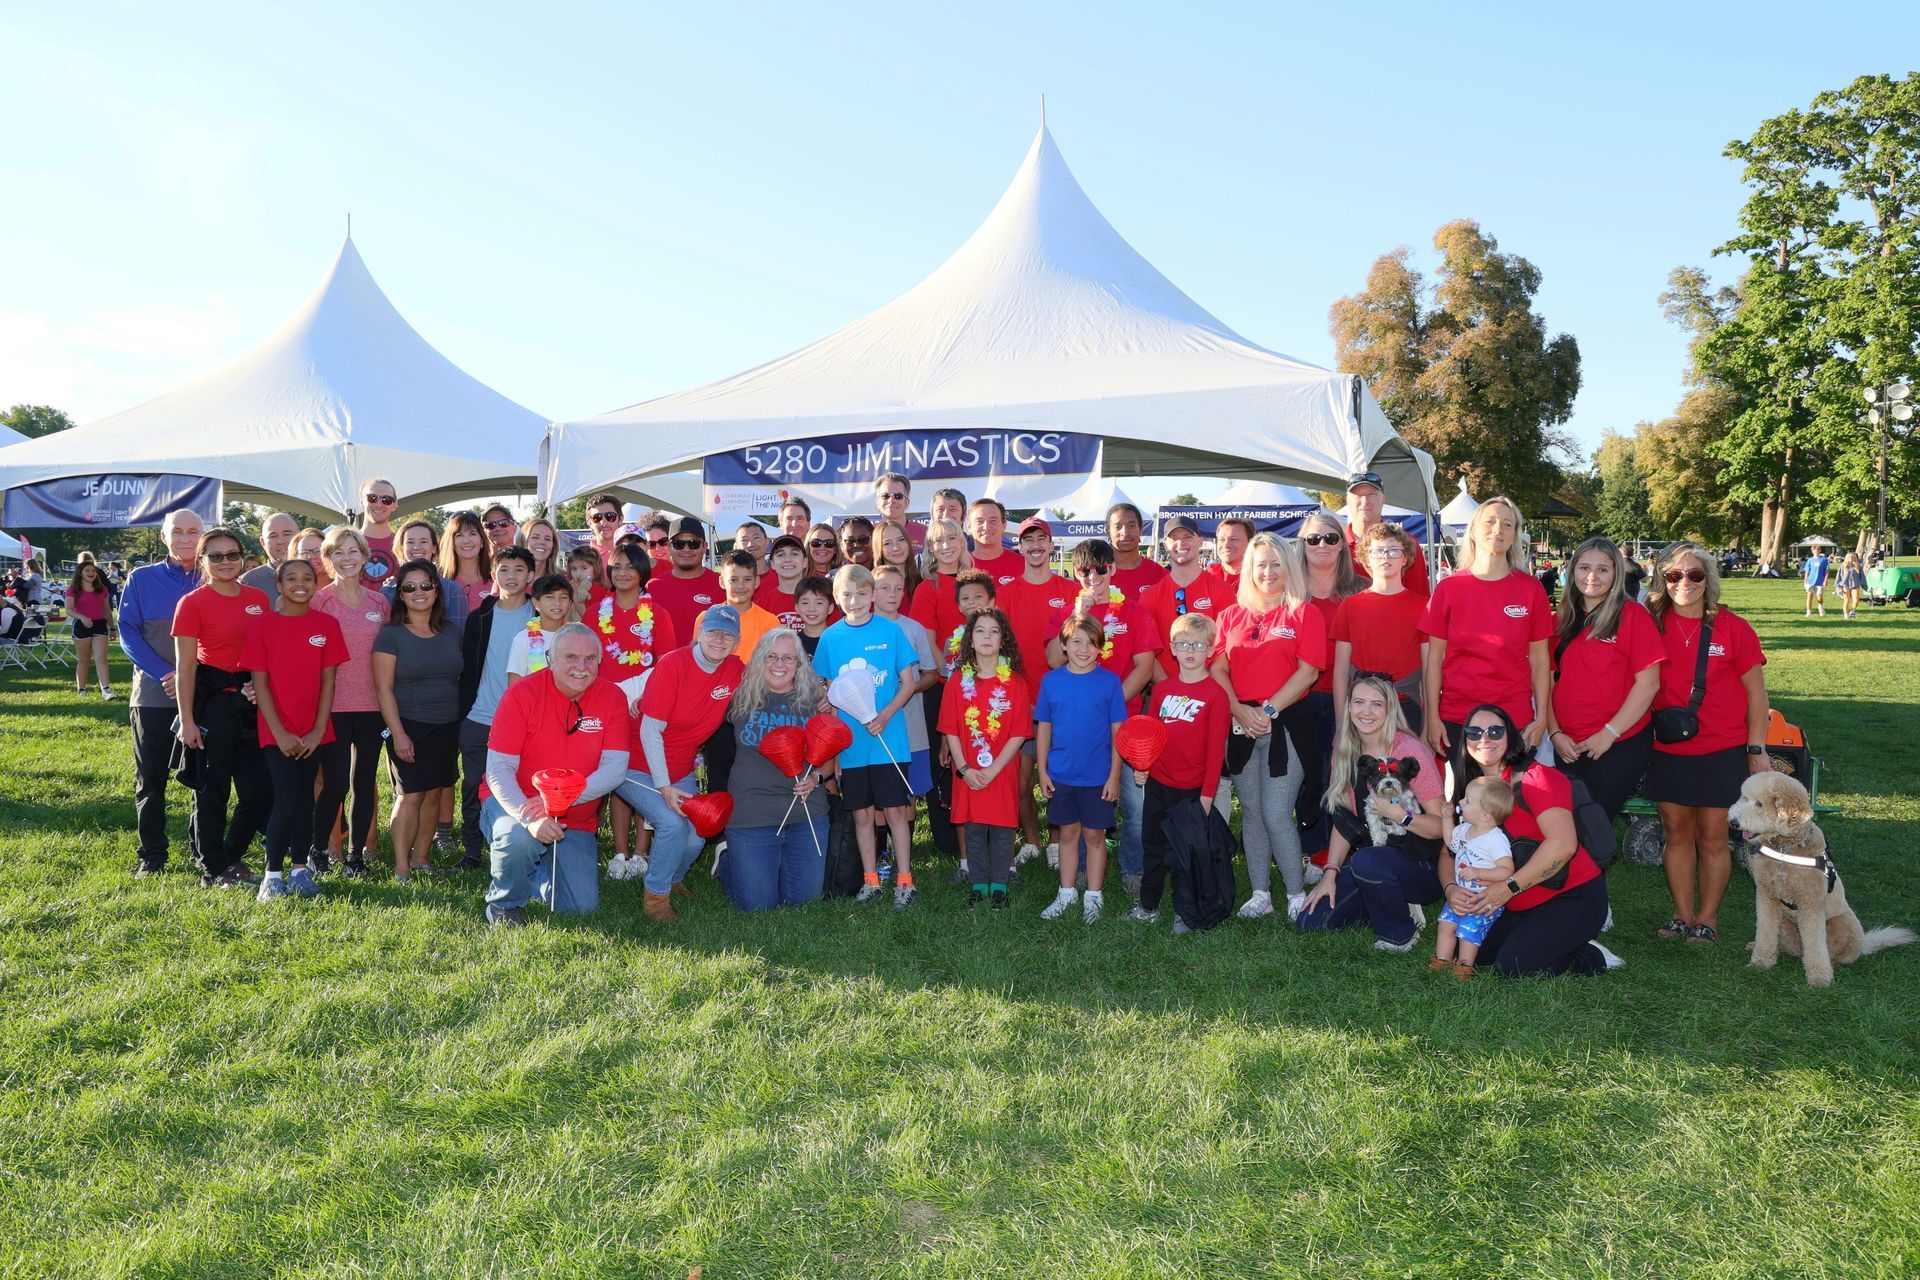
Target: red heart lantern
{"points": [[708, 812], [559, 788], [1141, 739], [786, 747], [827, 737]]}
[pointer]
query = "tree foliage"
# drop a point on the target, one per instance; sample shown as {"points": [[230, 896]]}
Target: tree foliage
{"points": [[35, 420], [1465, 368]]}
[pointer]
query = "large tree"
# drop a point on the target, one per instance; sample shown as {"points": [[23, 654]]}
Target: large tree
{"points": [[1621, 512], [34, 420], [1465, 368]]}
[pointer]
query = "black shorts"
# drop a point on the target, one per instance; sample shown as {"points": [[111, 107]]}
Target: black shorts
{"points": [[1710, 781], [436, 749], [86, 630], [874, 786]]}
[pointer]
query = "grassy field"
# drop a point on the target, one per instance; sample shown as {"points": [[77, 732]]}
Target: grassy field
{"points": [[373, 1083]]}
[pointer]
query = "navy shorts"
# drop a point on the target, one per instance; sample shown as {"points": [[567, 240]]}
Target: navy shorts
{"points": [[1080, 805], [874, 786]]}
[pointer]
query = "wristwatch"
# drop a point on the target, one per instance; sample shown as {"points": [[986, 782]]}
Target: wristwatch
{"points": [[1513, 888], [1755, 751]]}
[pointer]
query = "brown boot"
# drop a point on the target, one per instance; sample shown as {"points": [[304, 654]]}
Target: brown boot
{"points": [[680, 890], [659, 907]]}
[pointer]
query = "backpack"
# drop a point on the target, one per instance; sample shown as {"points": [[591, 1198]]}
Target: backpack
{"points": [[844, 874], [1591, 825]]}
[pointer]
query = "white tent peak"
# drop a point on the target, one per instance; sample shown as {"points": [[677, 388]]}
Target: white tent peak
{"points": [[9, 436], [344, 390]]}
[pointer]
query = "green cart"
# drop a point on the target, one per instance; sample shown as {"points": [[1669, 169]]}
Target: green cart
{"points": [[1889, 582]]}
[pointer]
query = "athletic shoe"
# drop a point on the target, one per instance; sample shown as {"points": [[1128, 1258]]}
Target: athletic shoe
{"points": [[1090, 907], [443, 838], [1180, 926], [1013, 877], [1131, 884], [508, 918], [868, 893], [106, 695], [274, 886], [225, 880], [318, 860], [1140, 915], [1613, 961], [975, 897], [300, 881], [959, 876], [141, 870], [1260, 904], [353, 867], [639, 861], [999, 899], [617, 867], [244, 873], [1058, 907], [1381, 944], [1028, 852], [1609, 924], [1053, 855], [1295, 901], [906, 895], [471, 862], [1419, 914]]}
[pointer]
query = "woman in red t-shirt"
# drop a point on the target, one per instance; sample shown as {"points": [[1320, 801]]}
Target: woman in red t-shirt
{"points": [[1377, 632], [1487, 627], [1694, 782], [1606, 668], [1272, 646], [216, 719], [1552, 923]]}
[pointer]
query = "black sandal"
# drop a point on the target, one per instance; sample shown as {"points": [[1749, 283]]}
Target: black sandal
{"points": [[1674, 928], [1703, 933]]}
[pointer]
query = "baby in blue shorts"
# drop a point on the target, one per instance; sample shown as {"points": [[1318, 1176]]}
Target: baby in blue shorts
{"points": [[1478, 845]]}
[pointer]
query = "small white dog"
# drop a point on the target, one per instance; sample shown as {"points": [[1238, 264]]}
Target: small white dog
{"points": [[1801, 904]]}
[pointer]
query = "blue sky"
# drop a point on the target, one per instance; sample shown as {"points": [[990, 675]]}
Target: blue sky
{"points": [[588, 206]]}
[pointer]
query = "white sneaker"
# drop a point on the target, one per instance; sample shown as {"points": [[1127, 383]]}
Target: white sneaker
{"points": [[1058, 907], [1028, 852], [1090, 907], [1260, 904], [1419, 914], [1053, 855], [1140, 915], [639, 861], [1295, 901], [1381, 944], [1609, 924], [1613, 961], [617, 867]]}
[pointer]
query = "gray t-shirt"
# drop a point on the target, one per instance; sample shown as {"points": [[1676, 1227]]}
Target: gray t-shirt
{"points": [[915, 710], [761, 793], [263, 578], [426, 674], [507, 623]]}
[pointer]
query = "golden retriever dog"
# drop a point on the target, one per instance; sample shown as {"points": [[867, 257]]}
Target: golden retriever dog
{"points": [[1801, 904]]}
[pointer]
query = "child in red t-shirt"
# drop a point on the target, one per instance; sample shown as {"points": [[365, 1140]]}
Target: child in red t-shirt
{"points": [[985, 715], [1194, 708]]}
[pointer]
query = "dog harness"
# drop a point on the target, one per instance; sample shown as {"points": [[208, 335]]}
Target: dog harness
{"points": [[1820, 861]]}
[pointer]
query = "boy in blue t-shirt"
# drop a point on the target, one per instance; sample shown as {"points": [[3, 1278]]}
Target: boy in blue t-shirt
{"points": [[872, 772], [1080, 707], [1814, 573]]}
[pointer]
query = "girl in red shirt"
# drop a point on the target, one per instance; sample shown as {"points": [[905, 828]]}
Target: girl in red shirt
{"points": [[985, 715], [210, 632], [1606, 669], [1694, 782]]}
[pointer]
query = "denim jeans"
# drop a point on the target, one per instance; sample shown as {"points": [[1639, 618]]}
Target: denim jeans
{"points": [[1376, 884], [766, 867], [675, 843], [522, 869], [1133, 799]]}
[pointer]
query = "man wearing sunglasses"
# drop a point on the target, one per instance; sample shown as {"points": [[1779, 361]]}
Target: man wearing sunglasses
{"points": [[689, 587], [891, 494], [501, 527], [1185, 589], [1365, 502], [604, 522], [378, 502]]}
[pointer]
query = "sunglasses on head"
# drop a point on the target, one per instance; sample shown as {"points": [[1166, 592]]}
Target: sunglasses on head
{"points": [[605, 517], [1492, 732], [1673, 576], [1321, 539]]}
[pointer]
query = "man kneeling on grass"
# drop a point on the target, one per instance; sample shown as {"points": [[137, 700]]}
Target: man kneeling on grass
{"points": [[562, 717]]}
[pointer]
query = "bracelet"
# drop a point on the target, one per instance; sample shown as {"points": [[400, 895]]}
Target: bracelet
{"points": [[1610, 729]]}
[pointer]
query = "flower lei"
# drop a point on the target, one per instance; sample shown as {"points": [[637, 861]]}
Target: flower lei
{"points": [[950, 651], [997, 704], [640, 657], [536, 646], [1115, 598]]}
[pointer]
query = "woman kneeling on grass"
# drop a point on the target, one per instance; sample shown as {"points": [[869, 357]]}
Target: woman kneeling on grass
{"points": [[764, 866]]}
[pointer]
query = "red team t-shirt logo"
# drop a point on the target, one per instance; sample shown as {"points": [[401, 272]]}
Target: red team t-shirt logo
{"points": [[1516, 611], [722, 693], [255, 609], [317, 641], [590, 724], [1716, 651], [703, 599]]}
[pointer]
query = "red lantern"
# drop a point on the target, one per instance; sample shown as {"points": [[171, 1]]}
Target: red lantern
{"points": [[1140, 740], [786, 747], [827, 737], [559, 788], [708, 812]]}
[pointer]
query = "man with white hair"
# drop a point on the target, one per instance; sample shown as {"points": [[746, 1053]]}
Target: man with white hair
{"points": [[276, 535], [152, 593], [561, 717], [1365, 501]]}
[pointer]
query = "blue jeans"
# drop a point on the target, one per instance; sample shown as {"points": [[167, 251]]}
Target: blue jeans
{"points": [[766, 867], [1376, 884], [1133, 801], [522, 870], [675, 843]]}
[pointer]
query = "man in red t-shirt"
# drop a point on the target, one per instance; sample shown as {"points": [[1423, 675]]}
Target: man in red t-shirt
{"points": [[1133, 572], [564, 717], [987, 526], [379, 500], [1365, 502], [1185, 589], [1230, 539], [604, 522], [1130, 641], [690, 586]]}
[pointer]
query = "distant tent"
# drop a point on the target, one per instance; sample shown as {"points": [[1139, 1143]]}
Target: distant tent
{"points": [[1455, 515]]}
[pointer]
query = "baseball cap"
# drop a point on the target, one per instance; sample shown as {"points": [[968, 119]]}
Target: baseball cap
{"points": [[1359, 478], [1032, 522], [1169, 523], [786, 542], [688, 527], [720, 617]]}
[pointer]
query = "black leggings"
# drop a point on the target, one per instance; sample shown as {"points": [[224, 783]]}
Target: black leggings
{"points": [[356, 738], [230, 765], [1613, 778], [293, 806]]}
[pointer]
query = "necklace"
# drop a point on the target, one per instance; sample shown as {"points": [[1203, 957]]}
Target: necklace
{"points": [[1698, 624], [950, 651], [1108, 624], [641, 655], [536, 646], [997, 704]]}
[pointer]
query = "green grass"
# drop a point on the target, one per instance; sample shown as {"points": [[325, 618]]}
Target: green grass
{"points": [[374, 1084]]}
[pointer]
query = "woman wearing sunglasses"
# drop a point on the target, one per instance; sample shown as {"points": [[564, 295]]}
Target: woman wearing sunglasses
{"points": [[1556, 898], [823, 551], [500, 527], [416, 677], [379, 502], [1710, 732], [1330, 580], [856, 541], [210, 626]]}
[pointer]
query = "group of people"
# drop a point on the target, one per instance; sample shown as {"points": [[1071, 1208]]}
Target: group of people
{"points": [[1849, 579], [975, 682]]}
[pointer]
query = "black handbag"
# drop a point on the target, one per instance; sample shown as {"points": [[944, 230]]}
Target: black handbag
{"points": [[1682, 724]]}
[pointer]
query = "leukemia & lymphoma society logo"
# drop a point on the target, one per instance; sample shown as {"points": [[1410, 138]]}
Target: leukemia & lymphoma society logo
{"points": [[722, 692], [317, 641], [1516, 611]]}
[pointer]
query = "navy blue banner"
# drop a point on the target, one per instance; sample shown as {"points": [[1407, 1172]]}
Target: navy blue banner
{"points": [[1278, 519], [109, 500]]}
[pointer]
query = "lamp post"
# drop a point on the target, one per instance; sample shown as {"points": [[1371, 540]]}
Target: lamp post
{"points": [[1887, 404]]}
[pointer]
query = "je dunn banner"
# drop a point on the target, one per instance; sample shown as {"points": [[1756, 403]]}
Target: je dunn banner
{"points": [[108, 500]]}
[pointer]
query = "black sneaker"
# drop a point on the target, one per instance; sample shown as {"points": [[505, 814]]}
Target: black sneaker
{"points": [[1000, 900], [975, 897], [472, 862], [509, 918], [141, 870], [354, 867], [228, 879], [318, 861], [243, 873]]}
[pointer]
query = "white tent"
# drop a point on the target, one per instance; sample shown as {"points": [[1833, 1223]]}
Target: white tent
{"points": [[9, 436], [1044, 320], [343, 391], [1454, 516]]}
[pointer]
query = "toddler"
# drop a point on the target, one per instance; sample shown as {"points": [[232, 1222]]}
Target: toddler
{"points": [[1477, 844]]}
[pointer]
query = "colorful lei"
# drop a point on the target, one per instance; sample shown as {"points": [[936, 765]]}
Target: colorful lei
{"points": [[1115, 598], [643, 612], [950, 651], [536, 646], [998, 704]]}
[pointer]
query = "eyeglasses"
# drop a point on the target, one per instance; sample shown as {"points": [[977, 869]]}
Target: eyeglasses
{"points": [[377, 500], [687, 544], [605, 517], [225, 557], [1492, 733], [417, 588], [498, 524], [780, 659], [1388, 552], [1673, 576], [1189, 646], [1321, 539], [822, 542]]}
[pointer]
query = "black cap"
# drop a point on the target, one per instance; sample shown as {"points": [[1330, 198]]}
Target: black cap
{"points": [[1169, 523], [784, 542], [687, 527], [1359, 478]]}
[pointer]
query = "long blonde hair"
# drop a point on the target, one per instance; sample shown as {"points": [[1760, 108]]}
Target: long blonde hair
{"points": [[1347, 744], [1660, 603], [1572, 611], [1292, 564], [1516, 550]]}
